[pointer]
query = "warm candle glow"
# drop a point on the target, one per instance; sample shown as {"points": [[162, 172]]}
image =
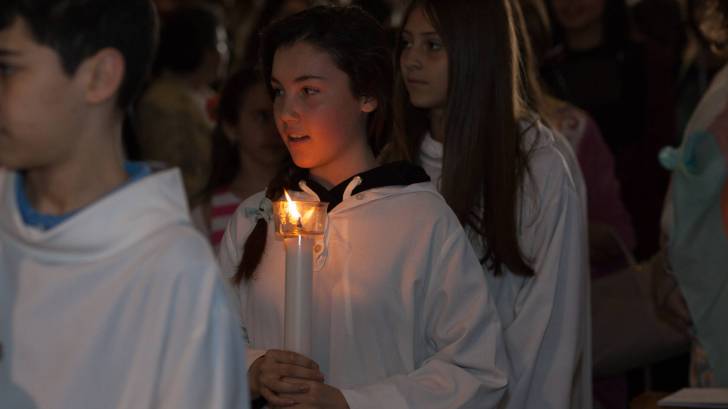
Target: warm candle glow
{"points": [[292, 208], [295, 218]]}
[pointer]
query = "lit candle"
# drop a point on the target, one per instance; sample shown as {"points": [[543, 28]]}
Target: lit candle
{"points": [[298, 234]]}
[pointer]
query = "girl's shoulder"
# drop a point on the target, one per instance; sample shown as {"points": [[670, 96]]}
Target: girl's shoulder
{"points": [[552, 164]]}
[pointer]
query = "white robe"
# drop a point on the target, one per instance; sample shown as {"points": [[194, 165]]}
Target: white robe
{"points": [[546, 317], [402, 315], [120, 306]]}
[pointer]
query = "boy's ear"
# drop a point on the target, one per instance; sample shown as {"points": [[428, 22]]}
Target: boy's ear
{"points": [[103, 74], [368, 104]]}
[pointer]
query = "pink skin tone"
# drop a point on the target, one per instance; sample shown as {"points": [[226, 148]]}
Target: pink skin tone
{"points": [[322, 124], [424, 68], [73, 155], [260, 148]]}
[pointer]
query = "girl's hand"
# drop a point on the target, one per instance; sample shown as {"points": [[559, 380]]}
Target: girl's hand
{"points": [[317, 396], [266, 376]]}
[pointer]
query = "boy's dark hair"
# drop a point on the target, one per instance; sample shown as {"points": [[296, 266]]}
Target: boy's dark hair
{"points": [[358, 45], [186, 34], [77, 29]]}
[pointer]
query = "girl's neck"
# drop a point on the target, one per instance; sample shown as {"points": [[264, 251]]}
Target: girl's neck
{"points": [[585, 38], [437, 124], [329, 177]]}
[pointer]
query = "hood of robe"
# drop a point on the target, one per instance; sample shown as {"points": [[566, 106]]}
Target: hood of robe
{"points": [[105, 227]]}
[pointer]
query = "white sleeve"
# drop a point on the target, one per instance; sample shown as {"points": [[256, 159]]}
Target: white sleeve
{"points": [[548, 340], [191, 340], [461, 358]]}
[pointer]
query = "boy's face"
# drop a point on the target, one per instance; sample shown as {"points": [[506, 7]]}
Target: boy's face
{"points": [[39, 102]]}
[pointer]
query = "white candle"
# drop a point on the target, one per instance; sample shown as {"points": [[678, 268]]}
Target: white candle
{"points": [[299, 287], [298, 232]]}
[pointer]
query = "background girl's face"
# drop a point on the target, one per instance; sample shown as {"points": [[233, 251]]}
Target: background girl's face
{"points": [[423, 62], [578, 14], [321, 122], [255, 130]]}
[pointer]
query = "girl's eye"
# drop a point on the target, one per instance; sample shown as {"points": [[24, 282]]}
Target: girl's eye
{"points": [[6, 69], [309, 91], [277, 92], [406, 43], [434, 46]]}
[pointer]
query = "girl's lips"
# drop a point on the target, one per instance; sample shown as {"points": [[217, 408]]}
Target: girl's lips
{"points": [[416, 81], [296, 139]]}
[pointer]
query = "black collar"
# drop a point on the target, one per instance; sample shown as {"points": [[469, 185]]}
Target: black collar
{"points": [[400, 173]]}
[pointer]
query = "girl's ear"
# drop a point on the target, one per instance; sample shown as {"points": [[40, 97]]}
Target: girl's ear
{"points": [[368, 104]]}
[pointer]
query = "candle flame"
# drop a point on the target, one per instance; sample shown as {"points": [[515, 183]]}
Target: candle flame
{"points": [[292, 208]]}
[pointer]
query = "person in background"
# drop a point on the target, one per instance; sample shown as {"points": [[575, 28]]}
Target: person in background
{"points": [[246, 151], [609, 221], [174, 123], [601, 68]]}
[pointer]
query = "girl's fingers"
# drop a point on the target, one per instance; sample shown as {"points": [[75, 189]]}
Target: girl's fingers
{"points": [[285, 385], [293, 358], [295, 371], [273, 399]]}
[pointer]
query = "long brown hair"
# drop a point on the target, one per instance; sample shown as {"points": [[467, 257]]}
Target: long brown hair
{"points": [[485, 161], [358, 45]]}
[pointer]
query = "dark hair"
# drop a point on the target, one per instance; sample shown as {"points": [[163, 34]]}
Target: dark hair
{"points": [[358, 46], [77, 29], [379, 9], [225, 158], [538, 27], [615, 19], [485, 162], [187, 34], [270, 12], [536, 45]]}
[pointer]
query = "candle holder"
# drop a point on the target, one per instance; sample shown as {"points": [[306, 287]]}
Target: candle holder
{"points": [[298, 218], [298, 223]]}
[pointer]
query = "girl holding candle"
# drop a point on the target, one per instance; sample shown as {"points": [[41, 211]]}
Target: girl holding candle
{"points": [[462, 109], [402, 316]]}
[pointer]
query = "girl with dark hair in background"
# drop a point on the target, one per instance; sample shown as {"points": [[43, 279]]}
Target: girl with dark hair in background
{"points": [[246, 151], [629, 91], [609, 221], [464, 110], [403, 316]]}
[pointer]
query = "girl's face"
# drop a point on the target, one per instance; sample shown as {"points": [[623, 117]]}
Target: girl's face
{"points": [[321, 122], [255, 130], [423, 62], [575, 15]]}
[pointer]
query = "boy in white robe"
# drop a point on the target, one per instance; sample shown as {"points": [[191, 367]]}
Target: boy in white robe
{"points": [[108, 296]]}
